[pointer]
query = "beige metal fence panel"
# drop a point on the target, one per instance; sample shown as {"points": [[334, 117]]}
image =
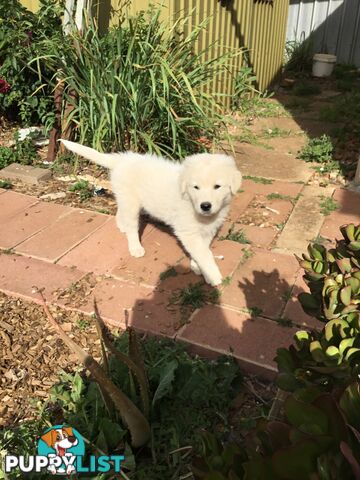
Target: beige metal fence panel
{"points": [[256, 25], [32, 5]]}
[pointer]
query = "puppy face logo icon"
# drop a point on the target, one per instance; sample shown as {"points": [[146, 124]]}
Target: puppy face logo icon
{"points": [[63, 445]]}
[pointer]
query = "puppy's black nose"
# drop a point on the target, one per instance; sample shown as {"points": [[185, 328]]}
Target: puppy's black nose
{"points": [[72, 439], [205, 206]]}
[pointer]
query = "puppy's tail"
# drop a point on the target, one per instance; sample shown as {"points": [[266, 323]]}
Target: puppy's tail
{"points": [[104, 159]]}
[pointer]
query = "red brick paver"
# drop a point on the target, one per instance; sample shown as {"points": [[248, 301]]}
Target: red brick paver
{"points": [[54, 241], [293, 310], [22, 276], [27, 222], [146, 309], [12, 203], [262, 282], [348, 212], [130, 291], [162, 251], [251, 340]]}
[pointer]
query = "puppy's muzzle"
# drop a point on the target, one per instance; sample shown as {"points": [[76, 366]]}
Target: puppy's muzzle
{"points": [[205, 206]]}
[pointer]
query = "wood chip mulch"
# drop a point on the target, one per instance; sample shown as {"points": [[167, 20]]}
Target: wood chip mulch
{"points": [[32, 355]]}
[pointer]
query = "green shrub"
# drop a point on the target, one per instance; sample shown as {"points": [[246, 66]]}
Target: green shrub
{"points": [[299, 55], [318, 150], [244, 88], [83, 188], [23, 152], [25, 94], [139, 87]]}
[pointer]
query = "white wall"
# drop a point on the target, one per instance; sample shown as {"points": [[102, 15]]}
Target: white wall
{"points": [[336, 25]]}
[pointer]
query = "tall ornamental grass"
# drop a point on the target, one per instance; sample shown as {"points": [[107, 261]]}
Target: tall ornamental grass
{"points": [[140, 86]]}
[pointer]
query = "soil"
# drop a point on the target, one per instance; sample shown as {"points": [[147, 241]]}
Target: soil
{"points": [[32, 355]]}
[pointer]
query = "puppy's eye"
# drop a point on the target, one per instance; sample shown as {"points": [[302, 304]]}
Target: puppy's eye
{"points": [[216, 186], [196, 187]]}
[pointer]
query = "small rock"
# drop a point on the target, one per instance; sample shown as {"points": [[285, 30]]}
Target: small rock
{"points": [[53, 196]]}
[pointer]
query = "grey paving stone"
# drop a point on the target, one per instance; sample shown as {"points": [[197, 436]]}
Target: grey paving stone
{"points": [[25, 173]]}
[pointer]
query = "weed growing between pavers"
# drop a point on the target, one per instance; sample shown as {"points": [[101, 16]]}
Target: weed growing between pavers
{"points": [[247, 136], [284, 322], [238, 236], [264, 181], [279, 196], [248, 253], [170, 272], [5, 184], [328, 205], [253, 311], [226, 281], [275, 132]]}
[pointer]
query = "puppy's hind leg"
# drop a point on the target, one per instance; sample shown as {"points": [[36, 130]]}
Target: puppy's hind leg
{"points": [[119, 221], [128, 223]]}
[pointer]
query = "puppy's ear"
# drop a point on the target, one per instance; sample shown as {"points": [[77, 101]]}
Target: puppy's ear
{"points": [[49, 438], [236, 180]]}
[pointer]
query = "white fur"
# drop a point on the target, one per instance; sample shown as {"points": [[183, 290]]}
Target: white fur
{"points": [[172, 193]]}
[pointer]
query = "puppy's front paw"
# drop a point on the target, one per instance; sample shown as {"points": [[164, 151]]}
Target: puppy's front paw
{"points": [[194, 267], [137, 251], [215, 280]]}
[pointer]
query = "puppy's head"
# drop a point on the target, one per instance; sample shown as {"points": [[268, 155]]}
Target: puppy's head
{"points": [[209, 181]]}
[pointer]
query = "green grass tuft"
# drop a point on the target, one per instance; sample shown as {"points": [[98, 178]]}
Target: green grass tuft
{"points": [[238, 236], [264, 181], [170, 272], [328, 205]]}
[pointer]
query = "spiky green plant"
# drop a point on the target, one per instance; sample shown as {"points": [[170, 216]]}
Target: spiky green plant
{"points": [[141, 86]]}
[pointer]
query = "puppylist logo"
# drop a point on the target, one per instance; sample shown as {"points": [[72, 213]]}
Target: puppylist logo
{"points": [[61, 450]]}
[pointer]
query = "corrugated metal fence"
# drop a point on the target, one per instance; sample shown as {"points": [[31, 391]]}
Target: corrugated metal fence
{"points": [[257, 25], [335, 25]]}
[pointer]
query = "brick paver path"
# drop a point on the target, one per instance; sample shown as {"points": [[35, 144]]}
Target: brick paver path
{"points": [[60, 249]]}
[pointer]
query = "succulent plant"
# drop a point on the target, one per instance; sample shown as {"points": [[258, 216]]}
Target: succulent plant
{"points": [[318, 438], [333, 277], [319, 435], [315, 440], [219, 461]]}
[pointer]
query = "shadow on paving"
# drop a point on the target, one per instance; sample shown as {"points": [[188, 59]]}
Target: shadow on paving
{"points": [[210, 330], [333, 113]]}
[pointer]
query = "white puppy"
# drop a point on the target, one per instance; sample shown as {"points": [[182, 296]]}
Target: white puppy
{"points": [[192, 198]]}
